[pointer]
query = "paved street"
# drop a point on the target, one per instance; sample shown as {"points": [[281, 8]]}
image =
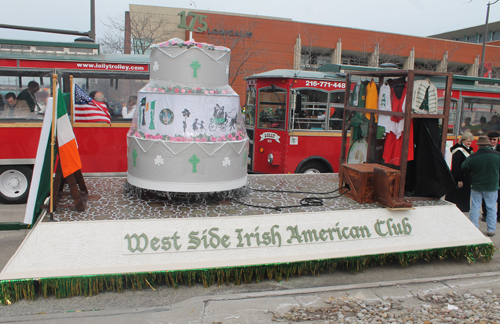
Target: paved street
{"points": [[382, 290]]}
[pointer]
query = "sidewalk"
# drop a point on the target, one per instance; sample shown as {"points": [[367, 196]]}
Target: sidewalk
{"points": [[11, 217], [440, 300]]}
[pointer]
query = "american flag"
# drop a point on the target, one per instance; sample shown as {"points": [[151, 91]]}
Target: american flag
{"points": [[87, 110]]}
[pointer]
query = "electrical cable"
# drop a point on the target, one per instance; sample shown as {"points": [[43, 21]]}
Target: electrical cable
{"points": [[304, 202]]}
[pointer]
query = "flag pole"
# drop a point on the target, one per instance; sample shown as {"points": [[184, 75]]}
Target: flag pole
{"points": [[52, 144], [72, 100]]}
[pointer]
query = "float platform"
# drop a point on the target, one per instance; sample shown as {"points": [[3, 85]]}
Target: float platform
{"points": [[230, 240]]}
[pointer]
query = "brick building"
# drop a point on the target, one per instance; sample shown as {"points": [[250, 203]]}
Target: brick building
{"points": [[261, 43]]}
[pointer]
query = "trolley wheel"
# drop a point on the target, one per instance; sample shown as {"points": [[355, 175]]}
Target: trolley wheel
{"points": [[14, 184], [212, 127], [223, 127], [313, 167]]}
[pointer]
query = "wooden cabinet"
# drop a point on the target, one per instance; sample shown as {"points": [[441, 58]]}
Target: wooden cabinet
{"points": [[358, 181]]}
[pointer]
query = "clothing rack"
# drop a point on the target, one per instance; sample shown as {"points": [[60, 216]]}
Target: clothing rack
{"points": [[408, 115]]}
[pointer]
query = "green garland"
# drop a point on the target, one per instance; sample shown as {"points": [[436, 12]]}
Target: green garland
{"points": [[63, 287]]}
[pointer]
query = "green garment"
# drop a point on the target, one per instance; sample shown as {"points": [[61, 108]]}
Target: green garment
{"points": [[362, 94], [485, 166], [359, 126]]}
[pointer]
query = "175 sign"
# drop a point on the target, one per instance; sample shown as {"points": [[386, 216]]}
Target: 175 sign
{"points": [[202, 19]]}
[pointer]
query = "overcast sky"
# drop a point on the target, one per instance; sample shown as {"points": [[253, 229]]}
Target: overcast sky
{"points": [[409, 17]]}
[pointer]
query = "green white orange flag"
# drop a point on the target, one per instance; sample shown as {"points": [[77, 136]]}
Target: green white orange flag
{"points": [[42, 175], [68, 150], [68, 157]]}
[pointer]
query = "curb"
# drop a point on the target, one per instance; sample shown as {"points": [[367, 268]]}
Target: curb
{"points": [[14, 226]]}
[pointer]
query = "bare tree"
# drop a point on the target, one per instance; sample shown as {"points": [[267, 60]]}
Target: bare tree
{"points": [[313, 57], [248, 55], [387, 51], [145, 30], [431, 63]]}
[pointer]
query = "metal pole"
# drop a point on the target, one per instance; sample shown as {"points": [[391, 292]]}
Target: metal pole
{"points": [[46, 30], [481, 68], [92, 20], [52, 144]]}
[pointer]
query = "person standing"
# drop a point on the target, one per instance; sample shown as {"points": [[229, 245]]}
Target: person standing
{"points": [[485, 168], [493, 138], [461, 151]]}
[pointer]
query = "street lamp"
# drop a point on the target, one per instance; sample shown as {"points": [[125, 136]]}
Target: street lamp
{"points": [[481, 69]]}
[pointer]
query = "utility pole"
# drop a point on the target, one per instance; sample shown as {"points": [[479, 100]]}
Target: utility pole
{"points": [[481, 69], [92, 20]]}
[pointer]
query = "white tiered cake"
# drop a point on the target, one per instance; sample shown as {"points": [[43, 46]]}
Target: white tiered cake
{"points": [[188, 133]]}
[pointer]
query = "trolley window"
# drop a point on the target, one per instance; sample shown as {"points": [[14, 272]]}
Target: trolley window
{"points": [[310, 109], [480, 115], [336, 110], [118, 93], [272, 104], [16, 103]]}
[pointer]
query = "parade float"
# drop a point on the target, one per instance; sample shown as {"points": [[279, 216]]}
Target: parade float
{"points": [[187, 137]]}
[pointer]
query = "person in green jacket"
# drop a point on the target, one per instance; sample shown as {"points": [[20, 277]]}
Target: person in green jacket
{"points": [[485, 168]]}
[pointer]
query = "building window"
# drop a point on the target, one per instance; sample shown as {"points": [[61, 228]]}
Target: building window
{"points": [[349, 59], [312, 59]]}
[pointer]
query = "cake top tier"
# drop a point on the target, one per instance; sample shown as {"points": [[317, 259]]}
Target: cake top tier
{"points": [[190, 64], [177, 42]]}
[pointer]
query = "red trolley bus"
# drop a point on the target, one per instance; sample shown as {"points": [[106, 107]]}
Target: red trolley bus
{"points": [[103, 148], [294, 118]]}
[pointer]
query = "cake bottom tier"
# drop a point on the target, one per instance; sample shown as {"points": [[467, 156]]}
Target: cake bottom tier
{"points": [[187, 167]]}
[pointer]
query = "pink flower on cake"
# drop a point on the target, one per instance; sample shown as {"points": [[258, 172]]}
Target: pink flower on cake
{"points": [[162, 90], [223, 137], [176, 90], [147, 136], [219, 139], [212, 139], [239, 137], [206, 91], [189, 91], [211, 92], [183, 90]]}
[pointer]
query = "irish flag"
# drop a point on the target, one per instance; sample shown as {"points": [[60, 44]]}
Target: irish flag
{"points": [[43, 171], [68, 150]]}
